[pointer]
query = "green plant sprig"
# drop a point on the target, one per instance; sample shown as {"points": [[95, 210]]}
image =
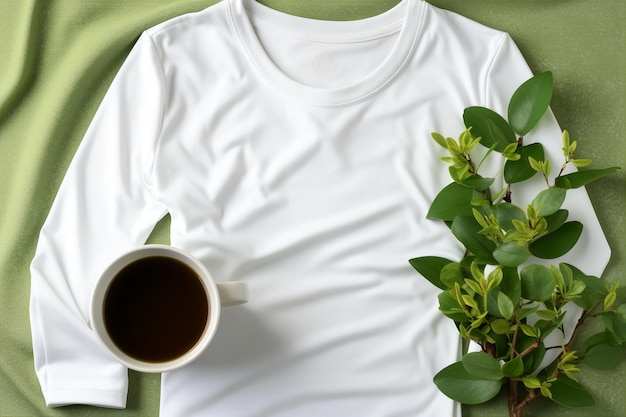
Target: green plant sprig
{"points": [[510, 307]]}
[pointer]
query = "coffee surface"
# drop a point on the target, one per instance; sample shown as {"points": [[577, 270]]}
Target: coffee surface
{"points": [[156, 309]]}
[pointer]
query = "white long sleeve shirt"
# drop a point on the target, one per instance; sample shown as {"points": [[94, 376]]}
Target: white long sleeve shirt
{"points": [[295, 155]]}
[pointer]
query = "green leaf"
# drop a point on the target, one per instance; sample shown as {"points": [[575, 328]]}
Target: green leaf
{"points": [[521, 170], [505, 306], [604, 356], [556, 220], [500, 326], [533, 360], [595, 284], [511, 254], [452, 273], [522, 313], [458, 384], [466, 230], [581, 178], [430, 268], [492, 128], [450, 307], [477, 183], [511, 285], [549, 201], [557, 243], [569, 393], [537, 282], [530, 102], [505, 214], [483, 366], [452, 201], [594, 288], [513, 368], [596, 339], [615, 325]]}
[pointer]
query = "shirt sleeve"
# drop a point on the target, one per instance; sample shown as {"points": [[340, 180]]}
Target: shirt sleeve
{"points": [[106, 205], [591, 253]]}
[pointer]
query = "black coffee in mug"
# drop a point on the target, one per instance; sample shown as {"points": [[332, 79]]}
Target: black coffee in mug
{"points": [[156, 309]]}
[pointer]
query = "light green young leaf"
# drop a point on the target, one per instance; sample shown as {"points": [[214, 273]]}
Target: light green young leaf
{"points": [[581, 163], [505, 306], [510, 152], [546, 314], [475, 286], [494, 279], [451, 274], [529, 330], [535, 164], [577, 288], [470, 301], [440, 139], [609, 300], [459, 173], [500, 326], [476, 271], [531, 382], [545, 390], [565, 140], [449, 306], [453, 146]]}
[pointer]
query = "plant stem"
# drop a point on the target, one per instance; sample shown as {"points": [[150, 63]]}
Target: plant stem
{"points": [[513, 399], [519, 408], [507, 196], [514, 341], [516, 409], [530, 348], [579, 324]]}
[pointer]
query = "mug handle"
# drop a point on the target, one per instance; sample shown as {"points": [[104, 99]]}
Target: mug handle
{"points": [[232, 293]]}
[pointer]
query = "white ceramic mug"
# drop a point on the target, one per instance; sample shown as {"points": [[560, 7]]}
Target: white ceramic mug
{"points": [[217, 295]]}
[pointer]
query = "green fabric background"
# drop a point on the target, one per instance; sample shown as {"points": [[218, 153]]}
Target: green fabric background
{"points": [[57, 58]]}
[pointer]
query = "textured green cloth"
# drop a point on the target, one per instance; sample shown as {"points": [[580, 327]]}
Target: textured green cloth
{"points": [[57, 58]]}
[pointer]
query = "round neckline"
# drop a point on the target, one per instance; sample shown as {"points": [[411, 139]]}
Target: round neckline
{"points": [[403, 20]]}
